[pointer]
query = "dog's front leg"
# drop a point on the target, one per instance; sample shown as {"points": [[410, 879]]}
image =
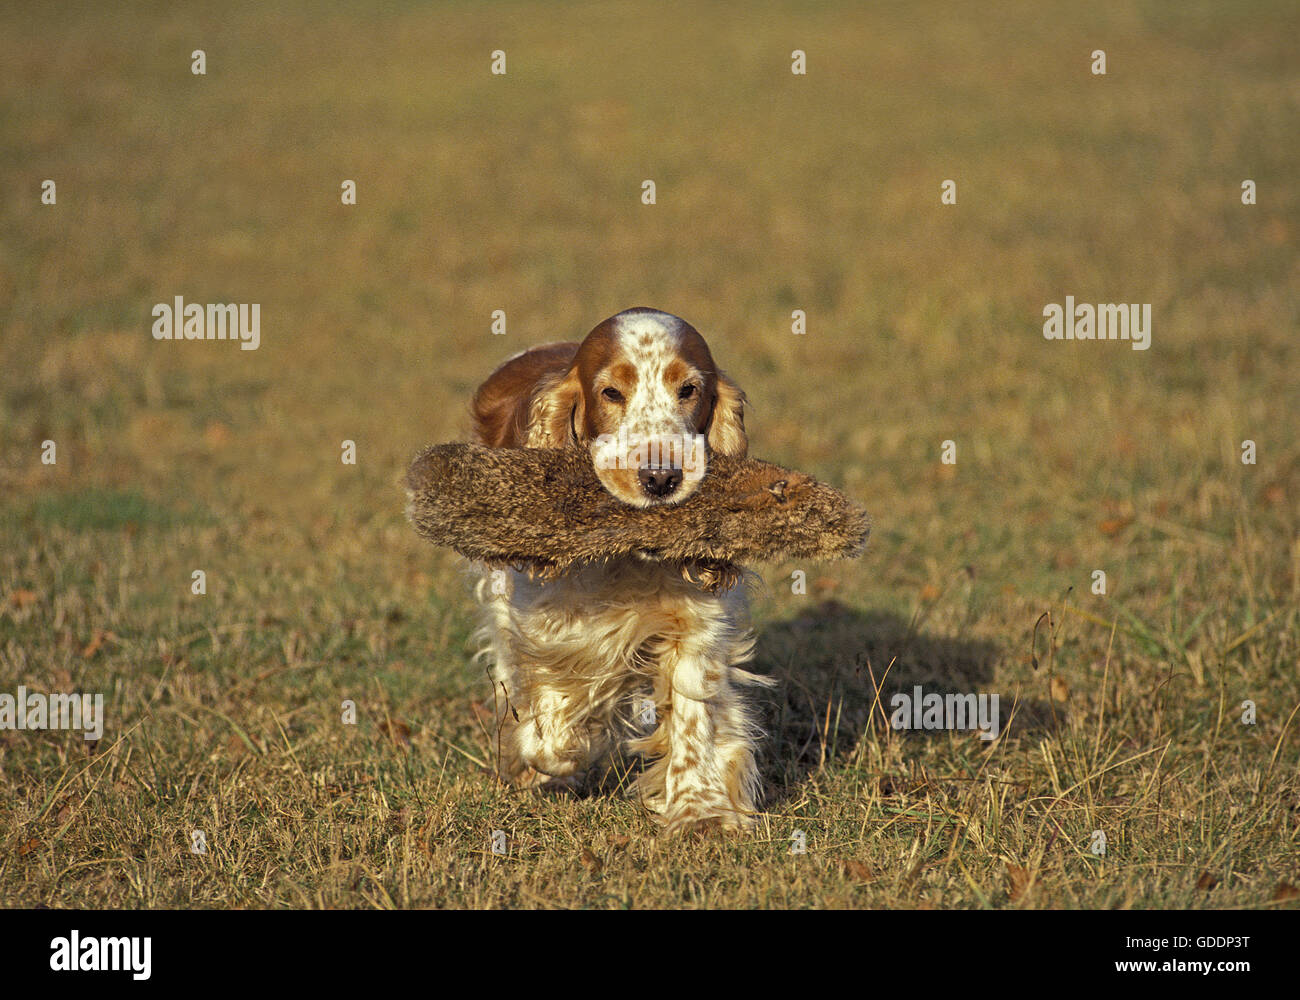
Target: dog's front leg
{"points": [[705, 772]]}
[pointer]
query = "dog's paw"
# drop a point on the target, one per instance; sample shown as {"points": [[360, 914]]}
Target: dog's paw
{"points": [[535, 780], [702, 820]]}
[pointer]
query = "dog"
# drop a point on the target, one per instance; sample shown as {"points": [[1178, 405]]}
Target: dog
{"points": [[631, 654]]}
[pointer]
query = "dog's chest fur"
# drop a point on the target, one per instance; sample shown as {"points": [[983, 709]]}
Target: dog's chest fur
{"points": [[604, 623]]}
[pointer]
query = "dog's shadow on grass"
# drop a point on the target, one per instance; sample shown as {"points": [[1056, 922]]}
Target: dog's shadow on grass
{"points": [[829, 662]]}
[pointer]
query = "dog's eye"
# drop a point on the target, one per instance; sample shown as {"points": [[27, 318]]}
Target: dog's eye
{"points": [[613, 395], [687, 391]]}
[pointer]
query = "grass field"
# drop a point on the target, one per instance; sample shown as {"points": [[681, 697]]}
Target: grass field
{"points": [[775, 192]]}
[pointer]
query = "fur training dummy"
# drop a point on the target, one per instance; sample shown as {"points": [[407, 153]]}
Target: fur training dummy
{"points": [[546, 511]]}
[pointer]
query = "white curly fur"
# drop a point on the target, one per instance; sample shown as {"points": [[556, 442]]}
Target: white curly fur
{"points": [[572, 659]]}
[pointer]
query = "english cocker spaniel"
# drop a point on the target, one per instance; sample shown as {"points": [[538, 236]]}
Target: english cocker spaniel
{"points": [[633, 653]]}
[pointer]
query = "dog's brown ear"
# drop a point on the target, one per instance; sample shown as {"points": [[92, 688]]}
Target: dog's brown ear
{"points": [[557, 414], [727, 421]]}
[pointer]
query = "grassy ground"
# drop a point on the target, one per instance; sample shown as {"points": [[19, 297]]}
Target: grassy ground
{"points": [[775, 192]]}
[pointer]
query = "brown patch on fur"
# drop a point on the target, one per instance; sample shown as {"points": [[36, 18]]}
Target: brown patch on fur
{"points": [[501, 404]]}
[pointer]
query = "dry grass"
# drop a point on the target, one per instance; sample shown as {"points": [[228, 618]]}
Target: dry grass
{"points": [[775, 193]]}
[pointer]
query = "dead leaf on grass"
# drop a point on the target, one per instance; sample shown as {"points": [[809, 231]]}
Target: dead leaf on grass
{"points": [[396, 731], [97, 642], [1020, 881], [22, 598], [856, 870]]}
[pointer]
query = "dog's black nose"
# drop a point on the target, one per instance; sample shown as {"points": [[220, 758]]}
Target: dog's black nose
{"points": [[660, 482]]}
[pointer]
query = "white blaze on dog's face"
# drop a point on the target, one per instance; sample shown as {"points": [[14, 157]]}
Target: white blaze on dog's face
{"points": [[644, 396], [649, 403]]}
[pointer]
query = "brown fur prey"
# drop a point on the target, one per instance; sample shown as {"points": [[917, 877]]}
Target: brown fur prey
{"points": [[546, 510]]}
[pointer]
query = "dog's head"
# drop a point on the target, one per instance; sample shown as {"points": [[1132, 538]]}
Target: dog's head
{"points": [[643, 395]]}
